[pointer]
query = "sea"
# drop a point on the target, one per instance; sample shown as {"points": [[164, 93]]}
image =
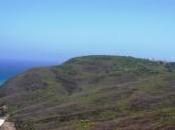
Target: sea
{"points": [[9, 69], [6, 74]]}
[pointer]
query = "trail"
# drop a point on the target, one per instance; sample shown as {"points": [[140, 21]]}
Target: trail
{"points": [[5, 125], [8, 126]]}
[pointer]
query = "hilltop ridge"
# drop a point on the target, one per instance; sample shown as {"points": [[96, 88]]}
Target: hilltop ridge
{"points": [[111, 92]]}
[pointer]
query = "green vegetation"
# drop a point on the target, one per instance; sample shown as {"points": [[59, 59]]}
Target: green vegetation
{"points": [[24, 125], [94, 93], [84, 125]]}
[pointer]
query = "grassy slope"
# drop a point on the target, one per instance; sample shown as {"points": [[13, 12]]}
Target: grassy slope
{"points": [[96, 93]]}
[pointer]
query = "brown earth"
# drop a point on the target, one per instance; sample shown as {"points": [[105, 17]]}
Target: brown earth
{"points": [[8, 126]]}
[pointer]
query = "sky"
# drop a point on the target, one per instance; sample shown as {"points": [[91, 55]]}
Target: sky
{"points": [[55, 30]]}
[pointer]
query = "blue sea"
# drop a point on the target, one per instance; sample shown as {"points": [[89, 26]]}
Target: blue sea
{"points": [[7, 72], [5, 75], [2, 81], [9, 69]]}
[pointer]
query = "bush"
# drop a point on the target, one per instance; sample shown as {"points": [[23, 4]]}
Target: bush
{"points": [[24, 125], [84, 125]]}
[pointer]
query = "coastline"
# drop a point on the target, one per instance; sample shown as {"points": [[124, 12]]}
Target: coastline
{"points": [[2, 82]]}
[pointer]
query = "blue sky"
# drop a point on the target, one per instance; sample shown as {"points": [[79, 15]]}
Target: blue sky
{"points": [[54, 30]]}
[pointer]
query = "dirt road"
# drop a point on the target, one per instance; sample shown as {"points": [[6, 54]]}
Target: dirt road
{"points": [[8, 126]]}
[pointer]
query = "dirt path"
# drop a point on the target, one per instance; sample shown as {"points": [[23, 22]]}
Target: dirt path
{"points": [[8, 126]]}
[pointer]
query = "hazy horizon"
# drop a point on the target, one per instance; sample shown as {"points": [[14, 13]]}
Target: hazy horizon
{"points": [[55, 30]]}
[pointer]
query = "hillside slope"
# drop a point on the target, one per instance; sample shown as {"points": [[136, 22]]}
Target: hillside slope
{"points": [[94, 93]]}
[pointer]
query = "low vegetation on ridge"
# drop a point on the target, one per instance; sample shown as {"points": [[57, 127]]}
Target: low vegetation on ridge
{"points": [[94, 93]]}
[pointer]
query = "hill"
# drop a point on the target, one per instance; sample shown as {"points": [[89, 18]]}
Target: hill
{"points": [[94, 93]]}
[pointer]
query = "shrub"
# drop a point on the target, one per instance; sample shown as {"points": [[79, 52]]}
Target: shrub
{"points": [[85, 125], [24, 125]]}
